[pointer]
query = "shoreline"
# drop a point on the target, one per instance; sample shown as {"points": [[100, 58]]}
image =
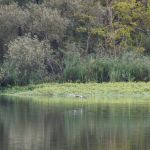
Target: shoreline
{"points": [[80, 89], [81, 94]]}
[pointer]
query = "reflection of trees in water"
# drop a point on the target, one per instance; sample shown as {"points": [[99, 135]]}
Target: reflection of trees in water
{"points": [[26, 126], [111, 128], [3, 136], [31, 127]]}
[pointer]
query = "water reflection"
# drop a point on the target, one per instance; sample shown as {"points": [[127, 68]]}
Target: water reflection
{"points": [[27, 126]]}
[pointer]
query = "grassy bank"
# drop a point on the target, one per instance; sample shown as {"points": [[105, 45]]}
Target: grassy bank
{"points": [[56, 94], [138, 89]]}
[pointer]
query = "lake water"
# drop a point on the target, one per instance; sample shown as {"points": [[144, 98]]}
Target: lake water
{"points": [[31, 126]]}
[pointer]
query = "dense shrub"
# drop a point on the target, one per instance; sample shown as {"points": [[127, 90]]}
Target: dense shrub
{"points": [[25, 62]]}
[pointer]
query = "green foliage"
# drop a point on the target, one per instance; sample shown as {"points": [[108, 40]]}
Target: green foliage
{"points": [[98, 70], [146, 43], [1, 75], [88, 40], [130, 22], [26, 60], [12, 17], [127, 68], [87, 70], [74, 70], [131, 68], [46, 23]]}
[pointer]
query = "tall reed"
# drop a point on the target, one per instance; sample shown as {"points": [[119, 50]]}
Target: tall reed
{"points": [[125, 68]]}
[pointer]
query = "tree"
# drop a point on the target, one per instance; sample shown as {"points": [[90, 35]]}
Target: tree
{"points": [[11, 19], [46, 23], [130, 22]]}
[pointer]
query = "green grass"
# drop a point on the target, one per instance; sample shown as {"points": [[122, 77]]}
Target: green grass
{"points": [[55, 93], [138, 89]]}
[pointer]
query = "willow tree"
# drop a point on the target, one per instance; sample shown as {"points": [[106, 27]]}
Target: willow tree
{"points": [[25, 60]]}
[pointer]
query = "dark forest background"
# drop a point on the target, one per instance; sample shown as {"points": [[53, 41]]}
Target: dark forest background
{"points": [[74, 41]]}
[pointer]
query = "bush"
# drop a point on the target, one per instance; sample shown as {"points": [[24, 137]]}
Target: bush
{"points": [[25, 62]]}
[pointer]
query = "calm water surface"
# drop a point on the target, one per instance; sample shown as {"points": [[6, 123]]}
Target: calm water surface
{"points": [[28, 126]]}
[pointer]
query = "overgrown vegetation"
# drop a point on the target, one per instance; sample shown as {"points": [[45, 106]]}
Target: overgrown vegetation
{"points": [[129, 67], [74, 40]]}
